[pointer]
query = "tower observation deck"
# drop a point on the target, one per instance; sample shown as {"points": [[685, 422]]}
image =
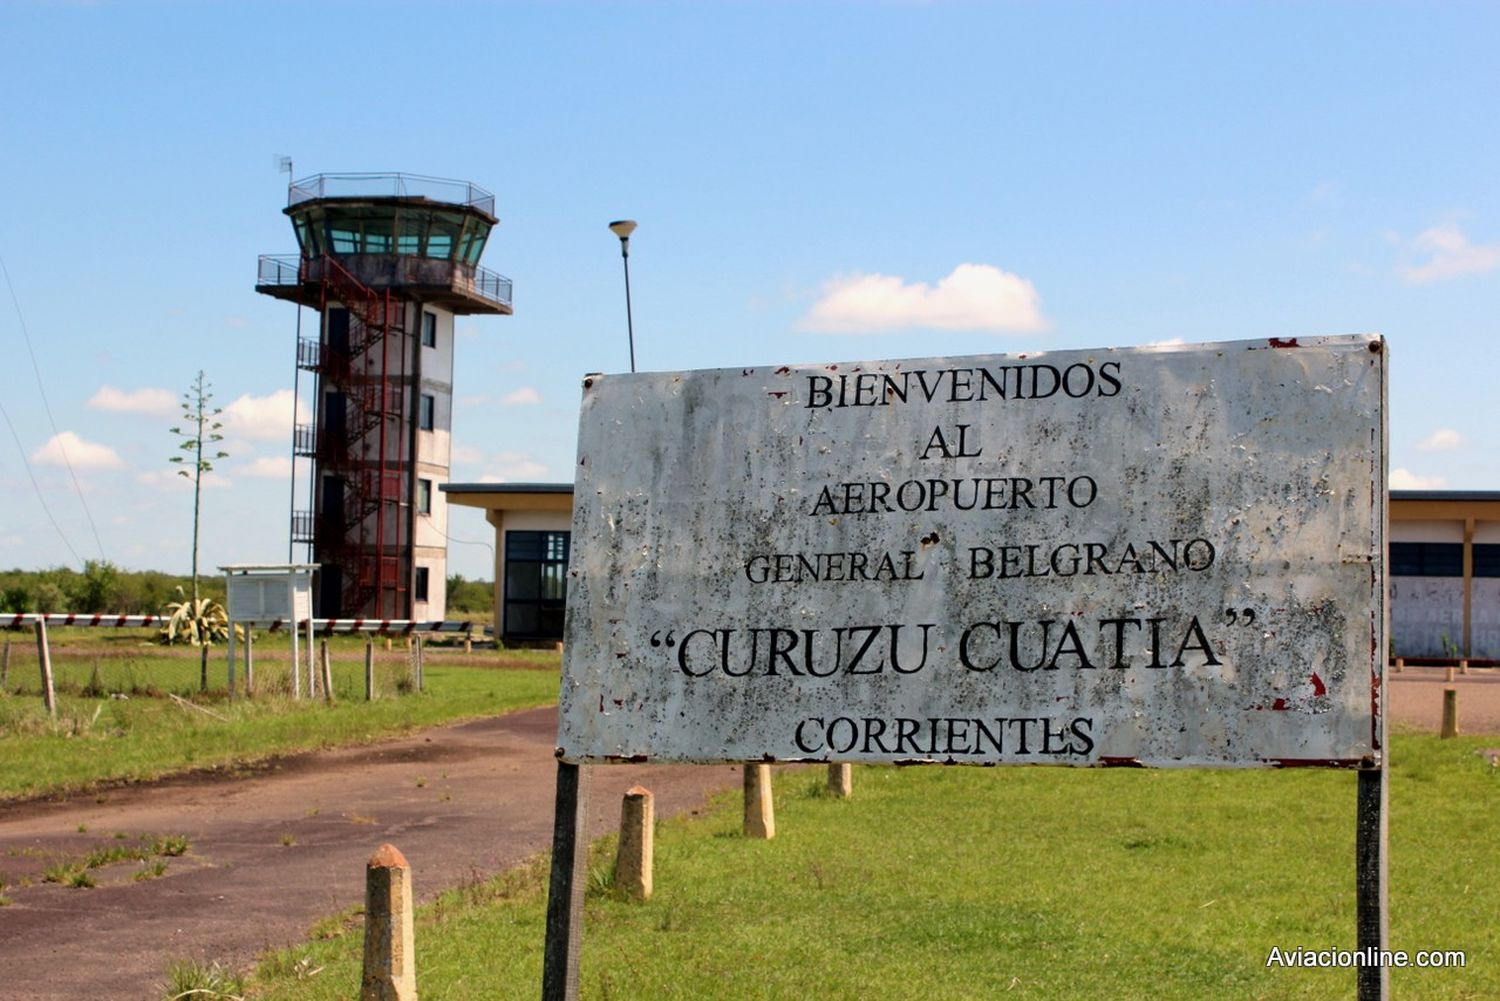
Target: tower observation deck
{"points": [[388, 261]]}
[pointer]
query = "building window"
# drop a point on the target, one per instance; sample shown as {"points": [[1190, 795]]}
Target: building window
{"points": [[419, 589], [424, 496], [536, 584], [426, 409], [429, 330], [1487, 559], [1427, 559]]}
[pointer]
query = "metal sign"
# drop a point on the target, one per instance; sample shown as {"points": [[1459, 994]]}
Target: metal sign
{"points": [[1159, 556]]}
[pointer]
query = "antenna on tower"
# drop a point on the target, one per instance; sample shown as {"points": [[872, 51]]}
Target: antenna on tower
{"points": [[284, 164]]}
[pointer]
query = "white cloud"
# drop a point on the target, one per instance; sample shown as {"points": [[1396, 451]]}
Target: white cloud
{"points": [[1402, 479], [521, 397], [467, 454], [278, 467], [513, 467], [1441, 440], [151, 402], [973, 297], [66, 448], [261, 418], [1449, 255]]}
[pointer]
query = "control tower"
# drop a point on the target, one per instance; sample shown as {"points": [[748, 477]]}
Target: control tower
{"points": [[388, 261]]}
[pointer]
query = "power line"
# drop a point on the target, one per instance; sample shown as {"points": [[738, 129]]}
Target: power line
{"points": [[36, 486], [56, 435]]}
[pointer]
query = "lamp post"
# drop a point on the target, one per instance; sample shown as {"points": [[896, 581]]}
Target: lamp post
{"points": [[623, 228]]}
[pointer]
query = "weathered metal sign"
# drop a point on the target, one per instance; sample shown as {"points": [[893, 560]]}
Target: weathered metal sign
{"points": [[1163, 556]]}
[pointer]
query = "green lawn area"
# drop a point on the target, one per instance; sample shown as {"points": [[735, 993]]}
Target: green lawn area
{"points": [[1007, 882], [116, 719]]}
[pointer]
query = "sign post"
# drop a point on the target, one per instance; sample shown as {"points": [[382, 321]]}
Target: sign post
{"points": [[1164, 557]]}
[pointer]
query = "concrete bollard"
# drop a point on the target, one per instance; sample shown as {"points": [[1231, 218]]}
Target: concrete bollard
{"points": [[635, 856], [841, 780], [760, 810], [390, 972], [369, 671], [1450, 713], [1400, 664], [1463, 666]]}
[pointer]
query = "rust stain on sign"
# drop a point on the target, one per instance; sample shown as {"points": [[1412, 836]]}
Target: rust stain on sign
{"points": [[1119, 557]]}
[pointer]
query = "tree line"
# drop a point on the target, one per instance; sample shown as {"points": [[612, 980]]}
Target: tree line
{"points": [[102, 587]]}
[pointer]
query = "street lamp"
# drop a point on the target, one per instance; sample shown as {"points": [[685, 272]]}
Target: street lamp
{"points": [[623, 228]]}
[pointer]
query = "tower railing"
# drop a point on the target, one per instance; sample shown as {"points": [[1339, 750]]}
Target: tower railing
{"points": [[438, 189], [287, 270]]}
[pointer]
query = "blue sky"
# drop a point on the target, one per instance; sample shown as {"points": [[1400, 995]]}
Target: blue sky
{"points": [[813, 181]]}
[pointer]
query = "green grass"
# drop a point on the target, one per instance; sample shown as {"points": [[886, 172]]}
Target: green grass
{"points": [[190, 980], [147, 735], [979, 883]]}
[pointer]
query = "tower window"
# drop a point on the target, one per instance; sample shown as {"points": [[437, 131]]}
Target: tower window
{"points": [[429, 330], [426, 409], [424, 496], [419, 586]]}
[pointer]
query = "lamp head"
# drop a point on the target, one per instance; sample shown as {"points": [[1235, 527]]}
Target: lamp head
{"points": [[622, 228]]}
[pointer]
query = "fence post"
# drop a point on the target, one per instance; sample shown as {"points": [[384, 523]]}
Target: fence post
{"points": [[249, 661], [203, 665], [841, 780], [1450, 713], [760, 811], [390, 972], [635, 855], [312, 688], [421, 663], [369, 670], [327, 668], [5, 665], [44, 659], [296, 631]]}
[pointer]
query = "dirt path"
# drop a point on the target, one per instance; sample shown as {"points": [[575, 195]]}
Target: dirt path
{"points": [[272, 854], [276, 852]]}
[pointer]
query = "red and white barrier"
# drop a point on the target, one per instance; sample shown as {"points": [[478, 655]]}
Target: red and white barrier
{"points": [[14, 621], [378, 627], [325, 627]]}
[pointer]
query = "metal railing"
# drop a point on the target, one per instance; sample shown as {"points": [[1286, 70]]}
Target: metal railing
{"points": [[305, 439], [279, 269], [291, 269], [489, 285], [302, 526], [441, 189], [309, 352]]}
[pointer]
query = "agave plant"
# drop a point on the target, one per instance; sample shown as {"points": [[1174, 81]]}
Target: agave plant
{"points": [[202, 622]]}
